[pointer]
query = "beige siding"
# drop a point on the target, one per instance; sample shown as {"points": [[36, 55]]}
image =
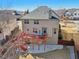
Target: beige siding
{"points": [[49, 24]]}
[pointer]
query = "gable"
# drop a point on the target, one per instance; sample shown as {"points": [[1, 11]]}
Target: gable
{"points": [[41, 12]]}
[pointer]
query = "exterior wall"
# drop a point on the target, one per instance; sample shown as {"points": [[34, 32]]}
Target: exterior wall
{"points": [[19, 23], [8, 27], [50, 25], [12, 24], [1, 36], [72, 15]]}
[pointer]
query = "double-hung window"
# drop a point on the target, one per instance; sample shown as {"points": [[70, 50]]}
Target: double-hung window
{"points": [[36, 21], [26, 21]]}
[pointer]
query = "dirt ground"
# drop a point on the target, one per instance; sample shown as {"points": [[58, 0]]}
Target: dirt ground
{"points": [[74, 36]]}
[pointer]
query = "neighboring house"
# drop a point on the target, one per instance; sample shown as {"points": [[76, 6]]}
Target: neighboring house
{"points": [[7, 24], [42, 20], [72, 14], [76, 14]]}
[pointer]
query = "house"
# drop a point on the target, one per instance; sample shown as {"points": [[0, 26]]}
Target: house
{"points": [[72, 14], [40, 21], [8, 24]]}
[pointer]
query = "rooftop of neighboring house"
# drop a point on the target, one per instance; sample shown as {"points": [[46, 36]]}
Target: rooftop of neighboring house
{"points": [[72, 13], [60, 12], [42, 12], [9, 14], [5, 17], [72, 10]]}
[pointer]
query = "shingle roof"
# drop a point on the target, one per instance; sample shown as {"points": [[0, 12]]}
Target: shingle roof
{"points": [[8, 15], [60, 12], [41, 12], [72, 10], [4, 17], [6, 11]]}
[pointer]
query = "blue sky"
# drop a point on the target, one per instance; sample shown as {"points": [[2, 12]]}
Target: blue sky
{"points": [[32, 4]]}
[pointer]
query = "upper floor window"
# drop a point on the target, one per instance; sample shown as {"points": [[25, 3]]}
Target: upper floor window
{"points": [[26, 21], [36, 21]]}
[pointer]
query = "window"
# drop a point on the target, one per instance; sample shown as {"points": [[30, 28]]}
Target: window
{"points": [[71, 14], [18, 19], [68, 15], [52, 17], [26, 21], [75, 14], [36, 22], [27, 29], [44, 30], [34, 30], [54, 30]]}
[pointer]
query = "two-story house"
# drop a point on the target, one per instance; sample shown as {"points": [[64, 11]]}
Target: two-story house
{"points": [[40, 21]]}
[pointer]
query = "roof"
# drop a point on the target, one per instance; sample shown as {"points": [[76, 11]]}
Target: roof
{"points": [[6, 11], [60, 12], [4, 17], [41, 12], [71, 10], [8, 15]]}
